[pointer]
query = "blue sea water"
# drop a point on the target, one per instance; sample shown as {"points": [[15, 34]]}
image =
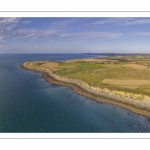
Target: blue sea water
{"points": [[29, 104]]}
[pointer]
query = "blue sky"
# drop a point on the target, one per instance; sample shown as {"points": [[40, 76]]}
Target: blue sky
{"points": [[75, 35]]}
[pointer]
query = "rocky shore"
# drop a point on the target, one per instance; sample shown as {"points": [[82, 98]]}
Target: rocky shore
{"points": [[134, 102]]}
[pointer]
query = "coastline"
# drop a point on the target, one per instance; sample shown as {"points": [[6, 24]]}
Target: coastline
{"points": [[100, 99]]}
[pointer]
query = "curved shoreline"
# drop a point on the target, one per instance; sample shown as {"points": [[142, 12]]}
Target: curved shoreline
{"points": [[97, 98]]}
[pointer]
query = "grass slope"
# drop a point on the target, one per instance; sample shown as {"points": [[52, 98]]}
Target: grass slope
{"points": [[125, 73]]}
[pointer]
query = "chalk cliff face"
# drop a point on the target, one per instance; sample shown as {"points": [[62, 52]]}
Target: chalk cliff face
{"points": [[137, 100]]}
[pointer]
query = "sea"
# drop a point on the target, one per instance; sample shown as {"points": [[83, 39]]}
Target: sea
{"points": [[29, 104]]}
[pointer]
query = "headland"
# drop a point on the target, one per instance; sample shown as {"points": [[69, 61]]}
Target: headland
{"points": [[121, 81]]}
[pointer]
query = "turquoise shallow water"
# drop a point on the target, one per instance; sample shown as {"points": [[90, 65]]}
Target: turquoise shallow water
{"points": [[30, 104]]}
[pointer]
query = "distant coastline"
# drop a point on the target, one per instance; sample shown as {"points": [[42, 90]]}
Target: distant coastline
{"points": [[118, 54], [82, 90]]}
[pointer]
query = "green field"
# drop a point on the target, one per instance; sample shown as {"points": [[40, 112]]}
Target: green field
{"points": [[128, 74], [121, 73]]}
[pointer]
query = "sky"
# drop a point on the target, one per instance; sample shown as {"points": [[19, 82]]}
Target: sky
{"points": [[75, 35]]}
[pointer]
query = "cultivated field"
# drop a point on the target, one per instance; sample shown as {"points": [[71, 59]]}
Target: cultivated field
{"points": [[131, 84], [135, 66], [130, 74]]}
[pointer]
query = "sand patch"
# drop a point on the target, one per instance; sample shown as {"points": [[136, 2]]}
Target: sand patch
{"points": [[131, 84], [50, 65]]}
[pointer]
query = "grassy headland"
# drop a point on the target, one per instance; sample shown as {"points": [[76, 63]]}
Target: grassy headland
{"points": [[124, 81]]}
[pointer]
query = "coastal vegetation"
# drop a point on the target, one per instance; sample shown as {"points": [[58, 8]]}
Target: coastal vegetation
{"points": [[124, 79], [129, 74]]}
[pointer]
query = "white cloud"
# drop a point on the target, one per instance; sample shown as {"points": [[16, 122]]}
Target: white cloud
{"points": [[32, 34], [54, 34], [123, 21], [63, 23], [26, 22], [141, 34], [136, 22], [1, 37], [116, 21], [7, 25], [6, 21], [92, 35], [9, 29]]}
